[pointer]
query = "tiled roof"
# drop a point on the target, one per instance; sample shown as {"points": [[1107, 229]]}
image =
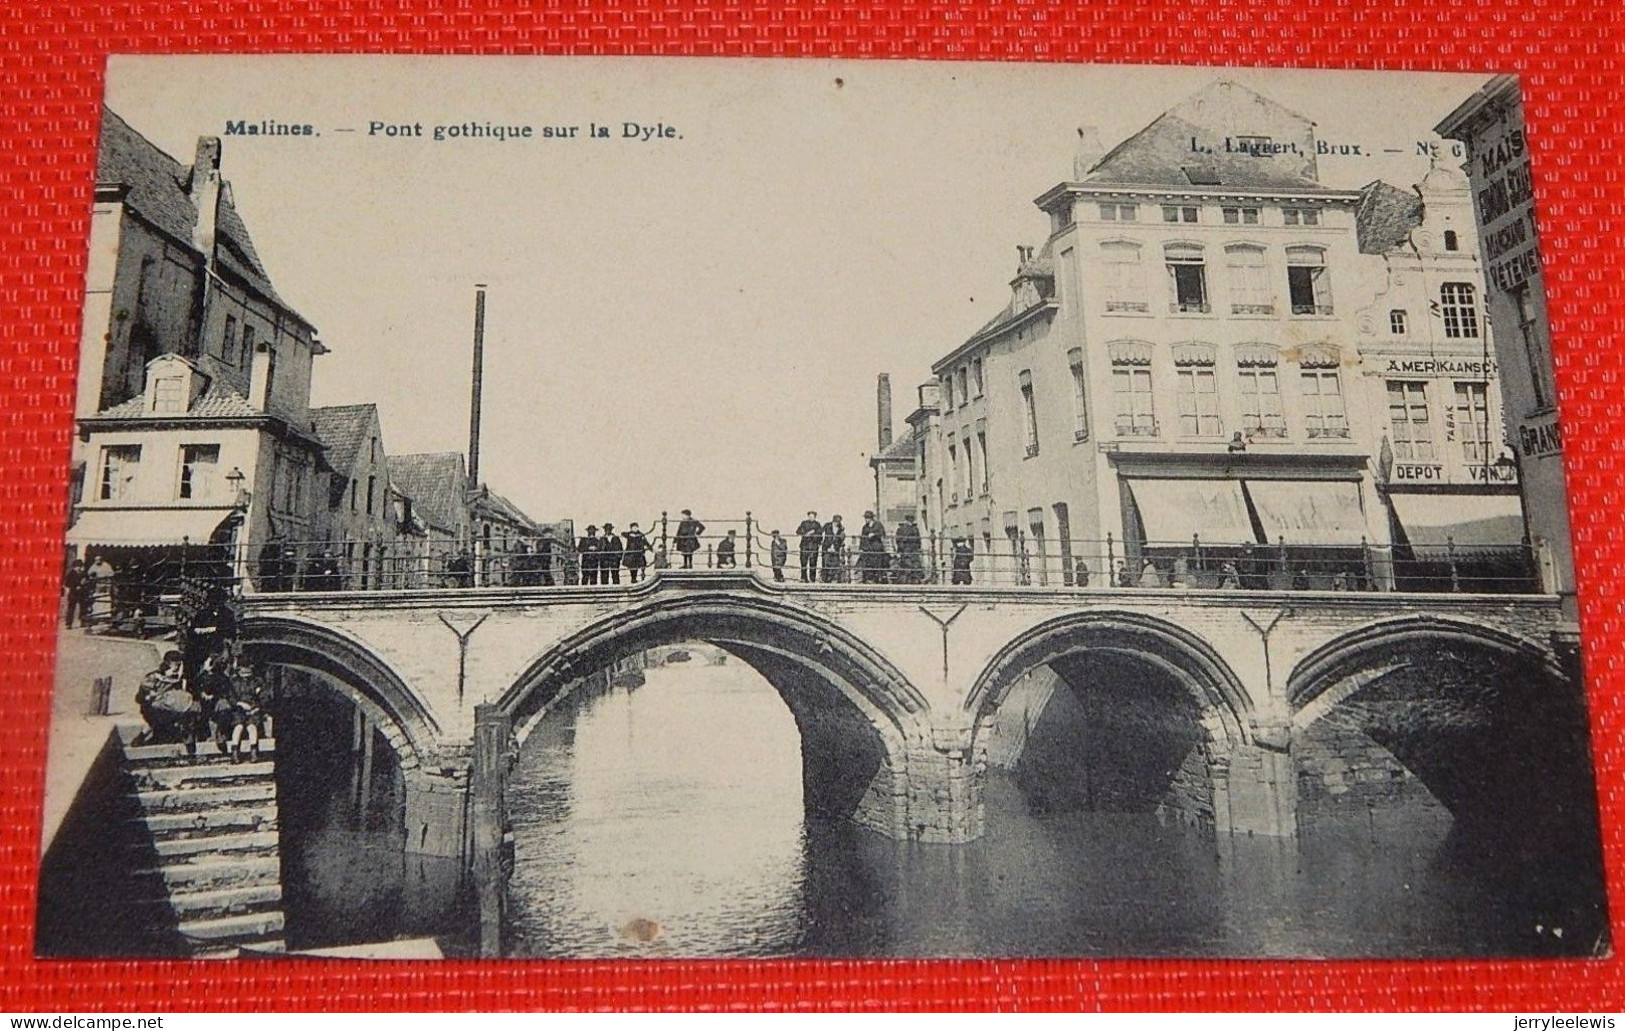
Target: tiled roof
{"points": [[901, 449], [158, 189], [219, 401], [436, 484], [343, 429], [499, 507], [1161, 153], [1386, 216]]}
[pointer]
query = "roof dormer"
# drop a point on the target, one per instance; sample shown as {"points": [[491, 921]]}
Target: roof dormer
{"points": [[173, 385]]}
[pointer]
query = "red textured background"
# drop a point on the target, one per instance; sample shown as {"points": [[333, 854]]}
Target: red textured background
{"points": [[51, 66]]}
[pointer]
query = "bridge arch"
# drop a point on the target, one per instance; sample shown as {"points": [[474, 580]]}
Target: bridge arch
{"points": [[1463, 715], [355, 671], [1114, 712], [857, 714], [1191, 661]]}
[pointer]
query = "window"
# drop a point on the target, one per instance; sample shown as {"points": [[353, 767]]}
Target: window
{"points": [[1030, 409], [976, 376], [970, 469], [1035, 523], [964, 385], [228, 340], [981, 453], [270, 366], [1450, 241], [1249, 280], [1259, 379], [1460, 309], [1309, 288], [1187, 278], [1399, 323], [1324, 415], [1119, 212], [353, 503], [1535, 349], [948, 392], [248, 340], [198, 462], [1176, 213], [1080, 395], [1300, 216], [1411, 434], [1134, 413], [1197, 389], [1240, 216], [119, 466], [169, 394], [953, 471], [372, 488], [1472, 417], [1125, 285]]}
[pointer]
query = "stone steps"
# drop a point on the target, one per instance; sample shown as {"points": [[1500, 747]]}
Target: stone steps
{"points": [[209, 826]]}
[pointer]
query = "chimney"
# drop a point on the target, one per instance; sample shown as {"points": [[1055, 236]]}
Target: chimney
{"points": [[204, 191], [474, 399], [1089, 151], [883, 406]]}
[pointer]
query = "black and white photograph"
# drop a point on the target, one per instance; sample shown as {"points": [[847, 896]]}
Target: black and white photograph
{"points": [[660, 508]]}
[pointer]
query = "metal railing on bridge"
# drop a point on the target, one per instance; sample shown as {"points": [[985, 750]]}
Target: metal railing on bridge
{"points": [[140, 589]]}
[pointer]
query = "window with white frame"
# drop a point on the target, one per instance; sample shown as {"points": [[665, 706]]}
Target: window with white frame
{"points": [[1250, 292], [1133, 408], [198, 464], [1080, 394], [1197, 389], [1124, 276], [120, 463], [948, 392], [1029, 407], [1119, 212], [1399, 322], [1472, 419], [976, 376], [1459, 305], [1259, 380], [1300, 217], [1178, 213], [1410, 429], [1324, 413], [970, 467], [1240, 216], [169, 394], [1187, 277], [1309, 285], [964, 385], [953, 472]]}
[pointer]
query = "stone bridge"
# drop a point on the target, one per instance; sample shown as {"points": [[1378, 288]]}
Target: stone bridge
{"points": [[1217, 703]]}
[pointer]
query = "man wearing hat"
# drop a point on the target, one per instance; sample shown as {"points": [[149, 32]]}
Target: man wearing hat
{"points": [[811, 532], [587, 550], [872, 550], [609, 556]]}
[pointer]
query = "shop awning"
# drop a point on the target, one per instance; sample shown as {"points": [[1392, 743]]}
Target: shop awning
{"points": [[1432, 521], [146, 527], [1175, 510], [1309, 512]]}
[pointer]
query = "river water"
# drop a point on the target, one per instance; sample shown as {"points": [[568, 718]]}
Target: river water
{"points": [[666, 820]]}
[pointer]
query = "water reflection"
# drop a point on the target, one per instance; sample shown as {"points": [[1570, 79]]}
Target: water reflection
{"points": [[666, 820]]}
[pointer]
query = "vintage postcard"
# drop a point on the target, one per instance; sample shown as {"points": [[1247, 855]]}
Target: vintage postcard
{"points": [[671, 508]]}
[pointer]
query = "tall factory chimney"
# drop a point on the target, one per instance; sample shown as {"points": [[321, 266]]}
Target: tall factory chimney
{"points": [[883, 406], [474, 400]]}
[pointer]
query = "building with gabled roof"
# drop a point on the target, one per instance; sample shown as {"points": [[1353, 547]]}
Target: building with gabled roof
{"points": [[1212, 354], [358, 521], [179, 301]]}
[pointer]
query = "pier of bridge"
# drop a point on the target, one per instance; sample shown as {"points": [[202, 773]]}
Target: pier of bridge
{"points": [[1221, 706]]}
